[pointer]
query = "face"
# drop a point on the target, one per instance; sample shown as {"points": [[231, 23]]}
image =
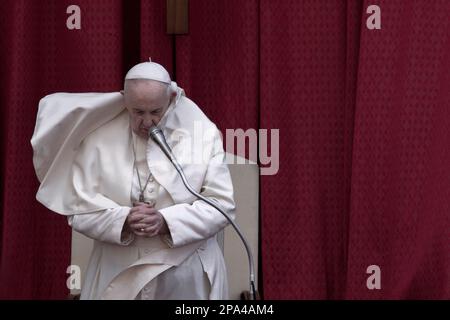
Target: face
{"points": [[146, 101]]}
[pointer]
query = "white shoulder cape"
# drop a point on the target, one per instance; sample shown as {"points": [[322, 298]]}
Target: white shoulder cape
{"points": [[69, 122]]}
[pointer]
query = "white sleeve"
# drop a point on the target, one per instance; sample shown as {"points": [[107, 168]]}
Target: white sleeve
{"points": [[197, 221], [103, 225]]}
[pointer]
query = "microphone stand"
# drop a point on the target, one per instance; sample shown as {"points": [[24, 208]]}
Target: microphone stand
{"points": [[156, 134]]}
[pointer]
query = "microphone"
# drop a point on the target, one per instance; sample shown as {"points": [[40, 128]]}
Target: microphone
{"points": [[158, 137]]}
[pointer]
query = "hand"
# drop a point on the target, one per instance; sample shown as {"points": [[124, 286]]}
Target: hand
{"points": [[145, 221]]}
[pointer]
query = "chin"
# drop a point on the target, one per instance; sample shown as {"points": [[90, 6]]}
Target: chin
{"points": [[143, 134]]}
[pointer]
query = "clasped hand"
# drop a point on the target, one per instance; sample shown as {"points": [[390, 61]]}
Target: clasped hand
{"points": [[144, 220]]}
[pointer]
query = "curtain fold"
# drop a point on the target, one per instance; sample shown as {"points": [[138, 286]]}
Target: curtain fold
{"points": [[303, 92], [400, 185], [41, 56], [217, 63]]}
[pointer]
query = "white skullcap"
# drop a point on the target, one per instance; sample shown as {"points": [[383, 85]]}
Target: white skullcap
{"points": [[150, 71]]}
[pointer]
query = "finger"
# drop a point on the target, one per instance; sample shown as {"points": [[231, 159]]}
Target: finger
{"points": [[145, 212], [136, 215], [137, 210], [133, 209], [148, 211], [151, 231], [141, 213], [139, 233], [138, 204], [135, 218], [150, 220], [139, 226]]}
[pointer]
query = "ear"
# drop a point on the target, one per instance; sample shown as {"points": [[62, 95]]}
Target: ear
{"points": [[122, 92]]}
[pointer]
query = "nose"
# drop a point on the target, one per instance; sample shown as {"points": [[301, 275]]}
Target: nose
{"points": [[149, 121]]}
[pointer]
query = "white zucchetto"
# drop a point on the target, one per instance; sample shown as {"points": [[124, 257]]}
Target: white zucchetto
{"points": [[150, 71]]}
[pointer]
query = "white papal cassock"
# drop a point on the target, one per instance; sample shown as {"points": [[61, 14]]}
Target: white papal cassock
{"points": [[84, 160]]}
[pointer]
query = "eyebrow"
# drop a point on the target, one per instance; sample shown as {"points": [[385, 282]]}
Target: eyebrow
{"points": [[138, 109]]}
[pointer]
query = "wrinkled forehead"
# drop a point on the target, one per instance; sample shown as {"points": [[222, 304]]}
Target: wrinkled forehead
{"points": [[146, 92], [144, 86]]}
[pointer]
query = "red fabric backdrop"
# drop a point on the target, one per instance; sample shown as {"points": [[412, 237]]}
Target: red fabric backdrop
{"points": [[365, 136], [39, 56], [363, 118], [399, 214]]}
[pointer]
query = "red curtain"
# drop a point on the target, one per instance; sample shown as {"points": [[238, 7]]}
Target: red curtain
{"points": [[399, 216], [218, 62], [363, 117], [40, 55], [365, 138]]}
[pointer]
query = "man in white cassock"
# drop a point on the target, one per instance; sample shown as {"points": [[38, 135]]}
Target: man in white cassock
{"points": [[152, 238]]}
